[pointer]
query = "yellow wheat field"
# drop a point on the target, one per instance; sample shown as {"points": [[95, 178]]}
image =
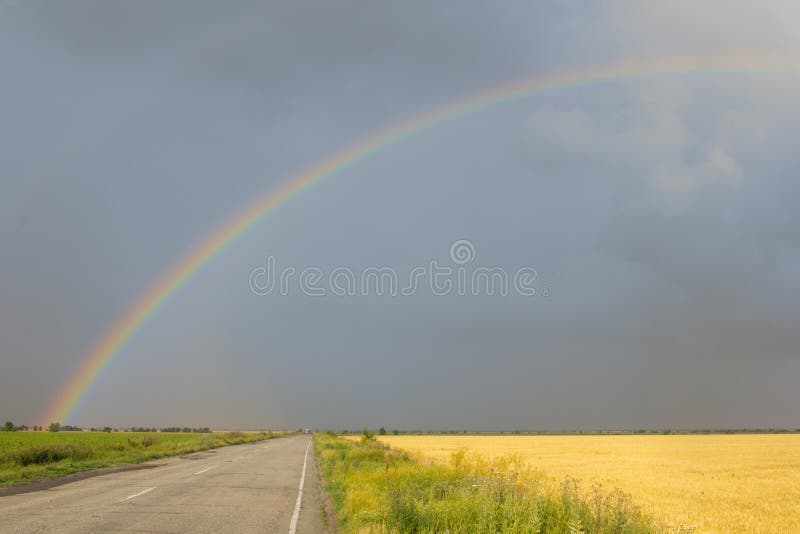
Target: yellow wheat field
{"points": [[718, 483]]}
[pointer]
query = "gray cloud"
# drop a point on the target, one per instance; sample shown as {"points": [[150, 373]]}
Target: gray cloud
{"points": [[660, 213]]}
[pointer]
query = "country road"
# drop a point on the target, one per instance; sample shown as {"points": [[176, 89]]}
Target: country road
{"points": [[243, 488]]}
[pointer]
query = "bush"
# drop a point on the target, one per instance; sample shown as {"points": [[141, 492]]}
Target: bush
{"points": [[143, 442], [54, 427], [52, 452]]}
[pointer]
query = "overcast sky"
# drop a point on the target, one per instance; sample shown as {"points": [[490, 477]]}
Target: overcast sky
{"points": [[660, 214]]}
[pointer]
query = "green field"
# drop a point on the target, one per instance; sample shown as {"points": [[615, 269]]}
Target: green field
{"points": [[378, 489], [27, 456]]}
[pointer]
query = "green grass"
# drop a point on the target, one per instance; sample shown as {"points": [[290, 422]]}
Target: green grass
{"points": [[378, 489], [27, 456]]}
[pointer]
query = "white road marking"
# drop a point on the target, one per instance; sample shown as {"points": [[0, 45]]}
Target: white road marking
{"points": [[206, 469], [137, 494], [296, 514]]}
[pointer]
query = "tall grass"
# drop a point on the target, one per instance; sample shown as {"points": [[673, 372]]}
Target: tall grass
{"points": [[378, 489], [26, 456]]}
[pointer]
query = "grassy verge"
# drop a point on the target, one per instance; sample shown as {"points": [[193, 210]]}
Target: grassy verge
{"points": [[27, 456], [378, 489]]}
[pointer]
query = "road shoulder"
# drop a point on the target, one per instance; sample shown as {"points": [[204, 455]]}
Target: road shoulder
{"points": [[317, 513]]}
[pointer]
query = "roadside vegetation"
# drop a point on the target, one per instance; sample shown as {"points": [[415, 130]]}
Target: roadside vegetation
{"points": [[27, 456], [378, 489]]}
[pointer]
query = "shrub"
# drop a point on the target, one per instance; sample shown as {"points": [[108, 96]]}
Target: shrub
{"points": [[54, 427], [143, 442], [52, 452]]}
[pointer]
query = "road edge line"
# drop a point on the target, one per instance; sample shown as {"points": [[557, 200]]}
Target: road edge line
{"points": [[296, 513]]}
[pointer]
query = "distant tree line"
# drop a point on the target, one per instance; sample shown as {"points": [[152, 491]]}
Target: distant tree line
{"points": [[653, 431], [9, 426]]}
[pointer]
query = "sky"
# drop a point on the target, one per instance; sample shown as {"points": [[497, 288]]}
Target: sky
{"points": [[659, 214]]}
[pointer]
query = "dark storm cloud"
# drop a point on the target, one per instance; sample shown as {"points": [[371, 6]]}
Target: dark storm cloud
{"points": [[660, 214]]}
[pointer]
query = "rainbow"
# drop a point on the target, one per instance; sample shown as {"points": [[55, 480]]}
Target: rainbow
{"points": [[111, 344]]}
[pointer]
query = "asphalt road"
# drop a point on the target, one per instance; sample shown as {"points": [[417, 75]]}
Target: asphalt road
{"points": [[243, 488]]}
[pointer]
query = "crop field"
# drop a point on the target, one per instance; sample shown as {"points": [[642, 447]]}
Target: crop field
{"points": [[26, 456], [704, 483]]}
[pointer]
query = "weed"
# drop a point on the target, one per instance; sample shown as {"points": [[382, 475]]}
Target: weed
{"points": [[376, 488]]}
